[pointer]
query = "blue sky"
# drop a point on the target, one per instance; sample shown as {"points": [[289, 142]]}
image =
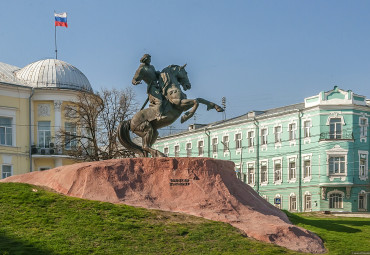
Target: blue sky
{"points": [[258, 54]]}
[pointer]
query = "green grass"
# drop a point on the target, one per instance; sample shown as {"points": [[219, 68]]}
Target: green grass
{"points": [[342, 235], [36, 221]]}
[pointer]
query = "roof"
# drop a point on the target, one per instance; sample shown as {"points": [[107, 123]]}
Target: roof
{"points": [[53, 73], [7, 73]]}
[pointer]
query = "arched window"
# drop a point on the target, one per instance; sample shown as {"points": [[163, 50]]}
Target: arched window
{"points": [[362, 198], [336, 200], [307, 202], [292, 203]]}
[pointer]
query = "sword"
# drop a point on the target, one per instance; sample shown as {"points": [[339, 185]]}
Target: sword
{"points": [[147, 91], [146, 101]]}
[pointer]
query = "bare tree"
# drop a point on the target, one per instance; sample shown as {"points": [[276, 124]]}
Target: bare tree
{"points": [[91, 133]]}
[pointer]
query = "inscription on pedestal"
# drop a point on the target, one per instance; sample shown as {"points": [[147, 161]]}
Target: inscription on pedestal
{"points": [[179, 182]]}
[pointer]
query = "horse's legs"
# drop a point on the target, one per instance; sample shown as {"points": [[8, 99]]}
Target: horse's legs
{"points": [[210, 105], [154, 137], [186, 104], [149, 135], [194, 103]]}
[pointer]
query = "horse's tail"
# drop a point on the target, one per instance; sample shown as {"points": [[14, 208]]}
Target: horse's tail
{"points": [[123, 134]]}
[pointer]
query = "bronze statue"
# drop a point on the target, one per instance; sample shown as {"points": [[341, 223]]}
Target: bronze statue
{"points": [[168, 102]]}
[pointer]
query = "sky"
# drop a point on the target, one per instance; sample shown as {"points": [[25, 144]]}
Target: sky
{"points": [[258, 54]]}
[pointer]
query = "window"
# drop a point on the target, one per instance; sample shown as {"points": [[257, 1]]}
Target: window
{"points": [[225, 142], [177, 150], [307, 127], [277, 171], [250, 135], [363, 127], [278, 134], [337, 165], [214, 145], [6, 131], [251, 174], [238, 171], [307, 168], [292, 169], [264, 174], [335, 128], [307, 203], [336, 201], [70, 135], [166, 151], [44, 134], [277, 201], [363, 166], [188, 149], [264, 136], [200, 148], [238, 141], [6, 171], [292, 131], [293, 203], [362, 201]]}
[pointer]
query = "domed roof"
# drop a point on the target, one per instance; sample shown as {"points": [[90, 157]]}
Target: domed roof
{"points": [[53, 73], [7, 73]]}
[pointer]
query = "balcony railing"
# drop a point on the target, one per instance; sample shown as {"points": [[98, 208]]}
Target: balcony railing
{"points": [[345, 135], [51, 149]]}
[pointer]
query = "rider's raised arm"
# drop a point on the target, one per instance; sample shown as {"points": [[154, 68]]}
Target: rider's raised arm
{"points": [[137, 77]]}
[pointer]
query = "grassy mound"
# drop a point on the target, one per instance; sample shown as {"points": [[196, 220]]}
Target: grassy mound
{"points": [[36, 221]]}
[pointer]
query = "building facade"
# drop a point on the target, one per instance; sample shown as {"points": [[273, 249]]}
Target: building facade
{"points": [[311, 156], [32, 103]]}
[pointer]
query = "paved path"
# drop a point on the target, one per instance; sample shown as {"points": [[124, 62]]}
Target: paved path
{"points": [[359, 215]]}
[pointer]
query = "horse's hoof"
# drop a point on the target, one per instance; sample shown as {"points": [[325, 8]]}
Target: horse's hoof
{"points": [[219, 108], [160, 155]]}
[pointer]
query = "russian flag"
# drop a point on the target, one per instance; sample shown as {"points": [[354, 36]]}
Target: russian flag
{"points": [[61, 19]]}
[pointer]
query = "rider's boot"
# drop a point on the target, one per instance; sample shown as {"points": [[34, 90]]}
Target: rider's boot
{"points": [[160, 117]]}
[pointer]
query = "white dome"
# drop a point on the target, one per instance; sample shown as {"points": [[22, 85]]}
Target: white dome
{"points": [[53, 73]]}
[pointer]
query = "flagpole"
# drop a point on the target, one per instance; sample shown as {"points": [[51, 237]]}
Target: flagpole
{"points": [[55, 39]]}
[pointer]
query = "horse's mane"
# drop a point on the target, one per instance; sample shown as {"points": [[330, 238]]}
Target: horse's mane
{"points": [[169, 69], [169, 73]]}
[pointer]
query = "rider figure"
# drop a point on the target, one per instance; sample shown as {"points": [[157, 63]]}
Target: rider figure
{"points": [[150, 76]]}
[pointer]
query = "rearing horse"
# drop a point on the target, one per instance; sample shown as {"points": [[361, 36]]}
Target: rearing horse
{"points": [[146, 125]]}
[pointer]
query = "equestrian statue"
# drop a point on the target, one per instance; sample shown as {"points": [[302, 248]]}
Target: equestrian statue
{"points": [[166, 103]]}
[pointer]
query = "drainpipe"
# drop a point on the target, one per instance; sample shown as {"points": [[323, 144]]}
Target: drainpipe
{"points": [[208, 133], [256, 123], [30, 126], [300, 160]]}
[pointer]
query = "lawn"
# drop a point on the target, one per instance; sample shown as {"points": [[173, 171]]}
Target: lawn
{"points": [[341, 235], [37, 221]]}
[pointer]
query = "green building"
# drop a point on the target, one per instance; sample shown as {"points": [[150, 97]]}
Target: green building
{"points": [[311, 156]]}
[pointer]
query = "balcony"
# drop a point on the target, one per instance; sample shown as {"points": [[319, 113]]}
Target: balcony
{"points": [[49, 150], [330, 136]]}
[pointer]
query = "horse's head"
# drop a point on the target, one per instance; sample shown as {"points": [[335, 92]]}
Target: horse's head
{"points": [[182, 77]]}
